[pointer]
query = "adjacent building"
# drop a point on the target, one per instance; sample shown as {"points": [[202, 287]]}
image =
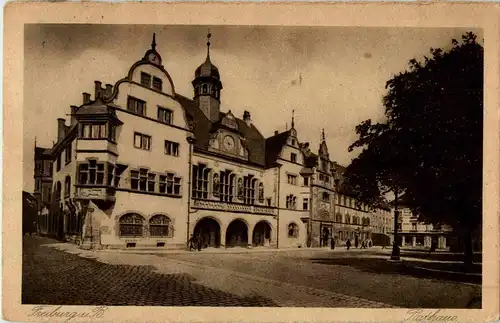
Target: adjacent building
{"points": [[140, 165], [416, 234]]}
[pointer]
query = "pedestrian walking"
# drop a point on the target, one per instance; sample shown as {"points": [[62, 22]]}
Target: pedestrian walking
{"points": [[433, 246], [348, 244], [370, 243], [199, 242], [191, 243], [332, 244], [363, 245]]}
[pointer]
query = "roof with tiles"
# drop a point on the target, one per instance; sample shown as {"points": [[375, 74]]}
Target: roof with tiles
{"points": [[202, 127]]}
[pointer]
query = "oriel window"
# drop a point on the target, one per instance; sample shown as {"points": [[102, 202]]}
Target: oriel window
{"points": [[94, 131], [91, 173]]}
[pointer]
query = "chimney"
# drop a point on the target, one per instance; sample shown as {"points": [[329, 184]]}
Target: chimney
{"points": [[61, 129], [246, 118], [275, 132], [86, 98], [74, 108], [109, 90], [98, 89]]}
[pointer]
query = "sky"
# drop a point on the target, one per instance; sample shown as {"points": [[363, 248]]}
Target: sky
{"points": [[332, 77]]}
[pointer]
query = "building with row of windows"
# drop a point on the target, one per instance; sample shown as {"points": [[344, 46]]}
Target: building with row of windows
{"points": [[139, 165], [413, 233]]}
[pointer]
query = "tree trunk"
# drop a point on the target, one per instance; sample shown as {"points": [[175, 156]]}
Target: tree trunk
{"points": [[468, 252]]}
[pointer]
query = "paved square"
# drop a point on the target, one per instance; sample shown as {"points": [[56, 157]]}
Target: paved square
{"points": [[58, 273]]}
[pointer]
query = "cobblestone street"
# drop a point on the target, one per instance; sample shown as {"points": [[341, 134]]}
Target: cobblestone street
{"points": [[60, 273]]}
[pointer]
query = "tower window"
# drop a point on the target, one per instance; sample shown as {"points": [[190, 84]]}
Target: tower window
{"points": [[157, 84], [293, 157], [204, 89], [145, 79]]}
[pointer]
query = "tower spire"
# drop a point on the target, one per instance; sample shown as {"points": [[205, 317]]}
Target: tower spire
{"points": [[209, 35], [293, 119], [153, 44], [323, 135]]}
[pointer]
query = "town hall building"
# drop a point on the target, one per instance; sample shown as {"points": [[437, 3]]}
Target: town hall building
{"points": [[140, 165]]}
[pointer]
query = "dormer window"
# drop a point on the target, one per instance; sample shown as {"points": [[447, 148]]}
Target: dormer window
{"points": [[293, 157]]}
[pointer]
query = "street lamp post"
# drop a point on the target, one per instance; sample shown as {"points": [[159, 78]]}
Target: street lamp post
{"points": [[395, 247]]}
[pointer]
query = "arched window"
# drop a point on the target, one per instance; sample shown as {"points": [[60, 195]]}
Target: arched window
{"points": [[159, 226], [293, 230], [347, 218], [367, 221], [67, 186], [338, 218], [131, 225], [355, 220]]}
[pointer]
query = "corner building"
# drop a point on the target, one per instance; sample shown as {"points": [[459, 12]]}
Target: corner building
{"points": [[140, 165]]}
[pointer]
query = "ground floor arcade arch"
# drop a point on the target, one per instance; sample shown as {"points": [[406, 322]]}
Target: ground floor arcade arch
{"points": [[237, 234], [262, 234], [208, 231]]}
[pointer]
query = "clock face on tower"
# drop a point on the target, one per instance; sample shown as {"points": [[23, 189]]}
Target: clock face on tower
{"points": [[228, 143], [153, 58]]}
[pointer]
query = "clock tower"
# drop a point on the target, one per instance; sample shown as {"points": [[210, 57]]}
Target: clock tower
{"points": [[152, 56], [207, 87]]}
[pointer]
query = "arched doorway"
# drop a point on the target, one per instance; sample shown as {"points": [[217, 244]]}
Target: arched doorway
{"points": [[262, 234], [237, 234], [208, 230]]}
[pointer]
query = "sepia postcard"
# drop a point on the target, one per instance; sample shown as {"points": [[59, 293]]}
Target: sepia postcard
{"points": [[251, 162]]}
